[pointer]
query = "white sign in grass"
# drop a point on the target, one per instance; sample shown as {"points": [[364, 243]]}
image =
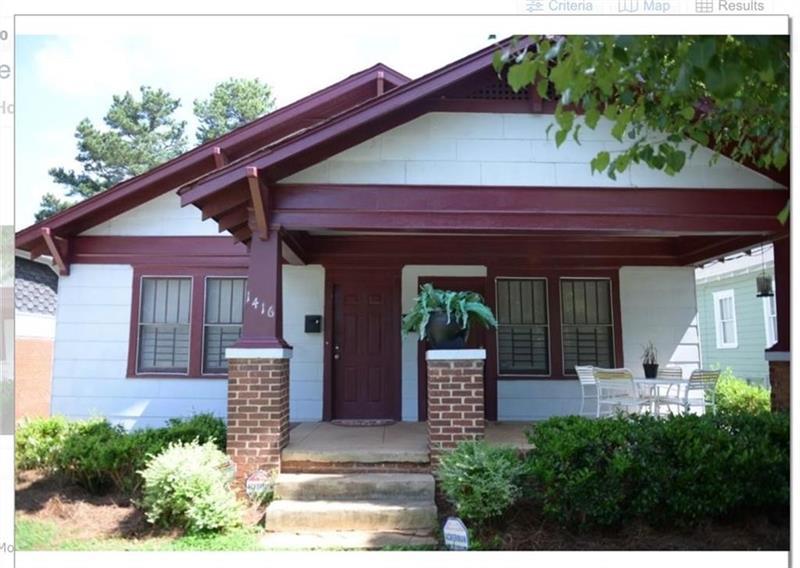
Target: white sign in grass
{"points": [[456, 536]]}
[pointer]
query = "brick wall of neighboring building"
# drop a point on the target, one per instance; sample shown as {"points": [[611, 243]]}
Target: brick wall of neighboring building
{"points": [[33, 363], [455, 404], [258, 413], [779, 381]]}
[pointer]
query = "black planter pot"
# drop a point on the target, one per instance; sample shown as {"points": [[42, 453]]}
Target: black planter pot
{"points": [[443, 335], [650, 371]]}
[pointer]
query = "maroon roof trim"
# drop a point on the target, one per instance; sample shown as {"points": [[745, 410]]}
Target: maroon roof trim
{"points": [[203, 158]]}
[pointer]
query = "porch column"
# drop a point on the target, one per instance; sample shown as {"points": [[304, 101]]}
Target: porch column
{"points": [[455, 399], [258, 366], [779, 354]]}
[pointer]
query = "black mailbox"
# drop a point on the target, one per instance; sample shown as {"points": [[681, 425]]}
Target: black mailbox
{"points": [[313, 324]]}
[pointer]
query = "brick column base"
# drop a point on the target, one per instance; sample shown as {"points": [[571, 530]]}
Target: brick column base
{"points": [[455, 399], [258, 409], [779, 381]]}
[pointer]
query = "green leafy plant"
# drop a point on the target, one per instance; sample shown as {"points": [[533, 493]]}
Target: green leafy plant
{"points": [[188, 486], [481, 481], [649, 354], [39, 440], [734, 395], [100, 456], [464, 308], [677, 471]]}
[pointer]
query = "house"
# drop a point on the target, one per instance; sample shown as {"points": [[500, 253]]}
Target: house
{"points": [[736, 325], [263, 276], [35, 289]]}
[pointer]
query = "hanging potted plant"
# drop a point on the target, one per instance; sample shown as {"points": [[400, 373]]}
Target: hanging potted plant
{"points": [[443, 318], [650, 361]]}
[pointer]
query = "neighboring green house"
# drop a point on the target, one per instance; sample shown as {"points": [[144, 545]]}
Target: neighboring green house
{"points": [[736, 325]]}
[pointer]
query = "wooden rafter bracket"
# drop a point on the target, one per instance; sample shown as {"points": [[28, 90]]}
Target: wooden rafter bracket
{"points": [[220, 159], [58, 249], [259, 197]]}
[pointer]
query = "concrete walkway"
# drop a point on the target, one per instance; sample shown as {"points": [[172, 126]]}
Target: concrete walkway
{"points": [[399, 442]]}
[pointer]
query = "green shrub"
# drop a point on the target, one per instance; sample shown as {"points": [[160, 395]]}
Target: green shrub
{"points": [[203, 427], [39, 440], [481, 481], [188, 486], [674, 471], [99, 456], [90, 453], [734, 395]]}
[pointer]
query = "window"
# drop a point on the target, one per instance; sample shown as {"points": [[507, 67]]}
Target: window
{"points": [[725, 319], [522, 330], [164, 325], [771, 319], [222, 320], [587, 329]]}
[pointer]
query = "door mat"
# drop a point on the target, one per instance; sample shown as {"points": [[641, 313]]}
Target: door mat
{"points": [[363, 422]]}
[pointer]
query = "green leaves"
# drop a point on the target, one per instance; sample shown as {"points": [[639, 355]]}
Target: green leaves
{"points": [[231, 104], [728, 93], [521, 74], [600, 161]]}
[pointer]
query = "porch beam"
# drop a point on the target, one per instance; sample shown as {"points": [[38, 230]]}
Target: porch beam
{"points": [[462, 209], [259, 197], [716, 248], [58, 249]]}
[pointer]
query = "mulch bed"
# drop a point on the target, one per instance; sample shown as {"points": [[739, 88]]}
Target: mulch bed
{"points": [[523, 528], [82, 516]]}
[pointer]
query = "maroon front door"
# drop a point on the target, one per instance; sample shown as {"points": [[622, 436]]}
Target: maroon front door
{"points": [[365, 347], [477, 335]]}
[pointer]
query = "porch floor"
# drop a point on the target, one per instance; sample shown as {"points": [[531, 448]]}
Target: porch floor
{"points": [[405, 442]]}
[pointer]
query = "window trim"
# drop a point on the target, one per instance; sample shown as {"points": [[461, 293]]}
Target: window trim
{"points": [[198, 277], [611, 311], [721, 343], [206, 278], [549, 373], [138, 308], [768, 316]]}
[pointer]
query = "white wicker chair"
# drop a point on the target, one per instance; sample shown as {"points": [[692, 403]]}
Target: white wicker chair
{"points": [[616, 389], [700, 380], [588, 383], [668, 372]]}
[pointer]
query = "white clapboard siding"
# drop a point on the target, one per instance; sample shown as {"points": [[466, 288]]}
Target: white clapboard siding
{"points": [[449, 148], [91, 353]]}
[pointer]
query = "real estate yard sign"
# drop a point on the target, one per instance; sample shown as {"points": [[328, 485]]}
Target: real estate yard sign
{"points": [[456, 536]]}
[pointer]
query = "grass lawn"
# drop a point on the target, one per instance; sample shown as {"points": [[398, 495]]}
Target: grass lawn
{"points": [[44, 535]]}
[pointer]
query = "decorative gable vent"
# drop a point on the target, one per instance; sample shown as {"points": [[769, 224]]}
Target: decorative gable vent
{"points": [[498, 91]]}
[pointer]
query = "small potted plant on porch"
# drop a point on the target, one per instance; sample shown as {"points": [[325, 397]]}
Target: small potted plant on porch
{"points": [[444, 317], [650, 361]]}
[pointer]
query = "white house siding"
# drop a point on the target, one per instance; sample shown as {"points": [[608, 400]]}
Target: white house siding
{"points": [[91, 353], [304, 294], [409, 369], [506, 149], [159, 217], [659, 305]]}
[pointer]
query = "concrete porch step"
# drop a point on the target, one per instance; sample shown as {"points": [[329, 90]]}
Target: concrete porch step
{"points": [[355, 486], [347, 540], [320, 516]]}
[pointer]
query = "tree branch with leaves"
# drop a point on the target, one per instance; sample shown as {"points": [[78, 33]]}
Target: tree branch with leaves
{"points": [[728, 93]]}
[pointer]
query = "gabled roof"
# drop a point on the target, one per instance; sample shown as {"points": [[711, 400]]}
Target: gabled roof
{"points": [[343, 130], [276, 125]]}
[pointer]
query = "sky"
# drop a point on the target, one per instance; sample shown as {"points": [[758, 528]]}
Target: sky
{"points": [[61, 79]]}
